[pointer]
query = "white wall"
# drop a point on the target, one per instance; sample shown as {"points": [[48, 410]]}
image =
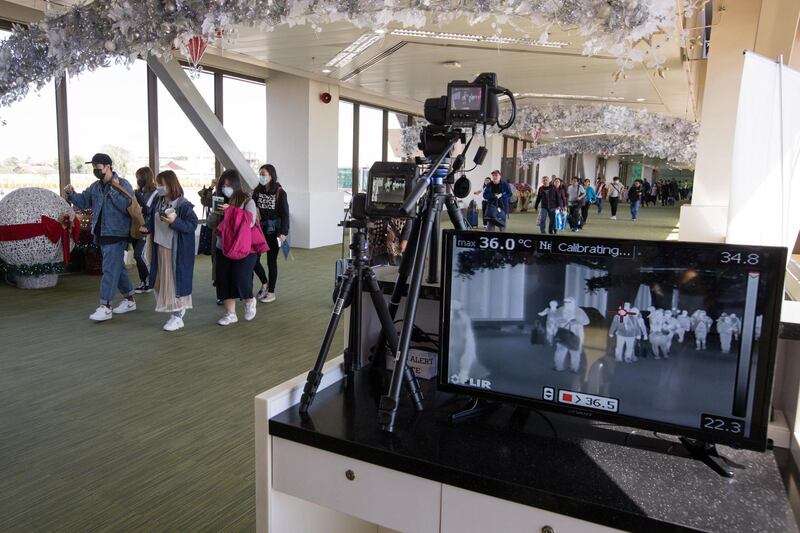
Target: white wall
{"points": [[612, 168], [590, 166], [551, 165], [647, 173], [302, 143]]}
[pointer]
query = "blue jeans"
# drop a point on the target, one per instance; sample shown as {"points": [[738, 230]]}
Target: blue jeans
{"points": [[635, 208], [599, 205], [548, 214], [114, 274]]}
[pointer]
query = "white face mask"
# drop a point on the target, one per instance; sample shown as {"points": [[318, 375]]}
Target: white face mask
{"points": [[227, 191], [161, 190], [263, 180]]}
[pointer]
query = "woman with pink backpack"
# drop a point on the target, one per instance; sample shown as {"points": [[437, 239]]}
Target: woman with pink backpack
{"points": [[239, 241]]}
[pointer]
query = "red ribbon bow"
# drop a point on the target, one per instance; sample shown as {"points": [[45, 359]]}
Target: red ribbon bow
{"points": [[54, 230]]}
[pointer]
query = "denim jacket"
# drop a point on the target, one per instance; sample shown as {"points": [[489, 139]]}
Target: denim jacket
{"points": [[114, 205]]}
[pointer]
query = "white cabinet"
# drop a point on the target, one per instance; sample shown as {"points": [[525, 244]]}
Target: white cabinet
{"points": [[379, 495], [464, 511]]}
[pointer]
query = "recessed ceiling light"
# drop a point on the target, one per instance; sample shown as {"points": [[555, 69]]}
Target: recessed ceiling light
{"points": [[640, 99], [569, 96], [451, 64], [353, 50], [326, 71], [380, 31], [492, 39]]}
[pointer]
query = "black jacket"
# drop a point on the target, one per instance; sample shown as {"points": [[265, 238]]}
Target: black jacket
{"points": [[274, 207], [548, 197]]}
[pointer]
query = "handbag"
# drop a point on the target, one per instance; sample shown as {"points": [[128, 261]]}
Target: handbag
{"points": [[539, 331], [204, 245], [135, 212], [496, 215], [567, 338]]}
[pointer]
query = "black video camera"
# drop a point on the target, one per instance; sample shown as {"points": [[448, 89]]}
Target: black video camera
{"points": [[466, 105], [388, 187]]}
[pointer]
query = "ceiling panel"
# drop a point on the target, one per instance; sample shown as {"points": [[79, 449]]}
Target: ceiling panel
{"points": [[416, 70]]}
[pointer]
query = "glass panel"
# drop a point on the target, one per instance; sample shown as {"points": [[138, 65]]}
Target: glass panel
{"points": [[370, 138], [112, 121], [29, 142], [245, 118], [397, 121], [344, 177], [180, 146]]}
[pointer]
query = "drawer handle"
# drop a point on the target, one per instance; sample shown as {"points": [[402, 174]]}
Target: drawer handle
{"points": [[350, 475], [548, 529]]}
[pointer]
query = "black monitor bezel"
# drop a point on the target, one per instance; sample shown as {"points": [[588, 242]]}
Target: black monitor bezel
{"points": [[762, 393]]}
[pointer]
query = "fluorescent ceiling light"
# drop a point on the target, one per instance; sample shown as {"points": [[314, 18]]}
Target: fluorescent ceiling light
{"points": [[326, 71], [570, 96], [353, 50], [492, 39]]}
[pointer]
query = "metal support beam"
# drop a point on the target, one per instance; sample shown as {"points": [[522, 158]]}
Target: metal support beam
{"points": [[62, 125], [202, 117], [218, 111], [152, 120]]}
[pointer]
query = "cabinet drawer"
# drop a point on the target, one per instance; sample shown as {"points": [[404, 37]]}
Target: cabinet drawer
{"points": [[464, 511], [373, 493]]}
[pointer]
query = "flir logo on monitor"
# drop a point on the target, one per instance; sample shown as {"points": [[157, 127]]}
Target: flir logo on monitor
{"points": [[471, 382]]}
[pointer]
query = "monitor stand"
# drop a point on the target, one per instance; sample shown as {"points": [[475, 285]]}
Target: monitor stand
{"points": [[474, 407], [708, 454]]}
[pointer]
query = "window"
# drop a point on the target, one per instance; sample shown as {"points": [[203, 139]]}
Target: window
{"points": [[245, 117], [29, 142], [370, 141], [181, 148], [107, 112], [397, 121], [344, 178]]}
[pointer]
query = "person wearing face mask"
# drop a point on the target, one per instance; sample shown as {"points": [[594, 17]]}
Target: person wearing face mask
{"points": [[145, 194], [237, 251], [111, 226], [270, 199], [172, 222]]}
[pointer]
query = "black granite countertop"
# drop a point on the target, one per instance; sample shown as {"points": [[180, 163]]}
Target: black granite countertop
{"points": [[634, 481]]}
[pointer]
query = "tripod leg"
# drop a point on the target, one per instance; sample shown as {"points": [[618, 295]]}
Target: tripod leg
{"points": [[406, 262], [315, 375], [355, 326], [455, 213], [387, 326], [433, 250], [387, 412]]}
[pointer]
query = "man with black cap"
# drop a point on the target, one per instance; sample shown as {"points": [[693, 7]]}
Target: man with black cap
{"points": [[108, 198]]}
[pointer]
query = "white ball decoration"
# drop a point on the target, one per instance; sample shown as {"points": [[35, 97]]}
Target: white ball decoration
{"points": [[26, 206]]}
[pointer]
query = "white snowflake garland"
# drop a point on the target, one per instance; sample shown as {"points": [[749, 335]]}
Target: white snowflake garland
{"points": [[97, 34]]}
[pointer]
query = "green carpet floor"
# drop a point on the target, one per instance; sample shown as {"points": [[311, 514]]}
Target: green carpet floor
{"points": [[120, 426]]}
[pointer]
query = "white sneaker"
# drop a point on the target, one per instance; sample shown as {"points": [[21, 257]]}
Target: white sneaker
{"points": [[249, 310], [101, 314], [614, 218], [268, 297], [228, 319], [125, 306], [173, 324], [262, 294]]}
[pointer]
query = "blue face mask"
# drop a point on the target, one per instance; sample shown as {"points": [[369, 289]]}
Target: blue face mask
{"points": [[263, 180]]}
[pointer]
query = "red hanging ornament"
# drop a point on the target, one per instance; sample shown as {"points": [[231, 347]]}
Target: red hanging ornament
{"points": [[197, 47]]}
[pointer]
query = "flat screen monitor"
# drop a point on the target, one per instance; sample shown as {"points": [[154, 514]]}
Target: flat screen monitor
{"points": [[670, 336]]}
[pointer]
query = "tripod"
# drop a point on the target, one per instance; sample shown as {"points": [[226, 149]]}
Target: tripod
{"points": [[422, 231], [358, 275]]}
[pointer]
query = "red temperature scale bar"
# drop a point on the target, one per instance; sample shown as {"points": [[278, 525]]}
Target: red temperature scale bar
{"points": [[589, 401]]}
